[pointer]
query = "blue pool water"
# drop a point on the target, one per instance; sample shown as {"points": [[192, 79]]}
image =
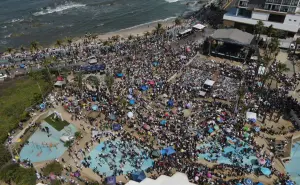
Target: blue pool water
{"points": [[43, 148], [104, 168], [293, 167], [222, 156]]}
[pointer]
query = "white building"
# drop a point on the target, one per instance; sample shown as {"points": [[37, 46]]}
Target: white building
{"points": [[282, 14], [176, 179]]}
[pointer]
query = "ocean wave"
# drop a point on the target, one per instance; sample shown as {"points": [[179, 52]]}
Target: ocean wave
{"points": [[14, 20], [171, 1], [59, 8]]}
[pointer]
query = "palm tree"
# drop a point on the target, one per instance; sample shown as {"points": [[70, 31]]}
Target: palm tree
{"points": [[34, 46], [45, 63], [130, 37], [94, 37], [79, 80], [159, 29], [178, 21], [68, 144], [147, 34], [77, 135], [109, 80], [281, 68], [273, 47], [115, 38], [69, 41], [22, 49], [259, 29], [94, 81], [59, 43], [296, 46], [10, 50]]}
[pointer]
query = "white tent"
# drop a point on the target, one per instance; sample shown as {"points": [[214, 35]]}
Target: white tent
{"points": [[209, 82], [40, 184], [185, 31], [251, 116], [93, 61], [60, 83], [199, 26], [202, 93], [66, 138]]}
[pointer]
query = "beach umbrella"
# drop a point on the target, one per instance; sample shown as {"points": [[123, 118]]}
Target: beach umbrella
{"points": [[146, 127], [265, 171], [196, 178], [22, 66], [216, 127], [77, 174], [131, 102], [129, 96], [261, 161], [186, 112], [289, 182], [166, 114], [228, 130], [163, 122], [174, 110], [59, 78], [95, 107], [130, 114], [260, 183], [209, 175], [151, 82], [248, 182], [112, 117], [246, 135], [155, 63], [144, 87], [138, 176], [257, 129], [42, 105], [119, 75], [189, 105], [220, 119]]}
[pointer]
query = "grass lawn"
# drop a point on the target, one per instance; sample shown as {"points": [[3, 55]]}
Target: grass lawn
{"points": [[15, 97], [56, 123]]}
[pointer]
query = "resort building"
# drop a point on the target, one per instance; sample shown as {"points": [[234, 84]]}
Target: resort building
{"points": [[284, 15], [176, 179]]}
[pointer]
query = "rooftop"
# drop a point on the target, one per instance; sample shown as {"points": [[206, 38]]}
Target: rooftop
{"points": [[233, 36]]}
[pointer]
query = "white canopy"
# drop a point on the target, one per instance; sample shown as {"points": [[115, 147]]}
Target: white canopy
{"points": [[251, 116], [93, 61], [202, 93], [66, 138], [130, 114], [40, 184], [209, 82], [185, 31], [199, 26], [60, 83], [261, 70]]}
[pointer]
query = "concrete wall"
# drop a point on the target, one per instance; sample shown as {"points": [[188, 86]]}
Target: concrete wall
{"points": [[293, 20], [260, 16]]}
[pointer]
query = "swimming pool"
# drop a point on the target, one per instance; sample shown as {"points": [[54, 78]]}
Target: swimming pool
{"points": [[222, 156], [293, 167], [42, 148], [103, 164]]}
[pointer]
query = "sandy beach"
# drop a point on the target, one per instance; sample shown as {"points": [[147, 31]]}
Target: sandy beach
{"points": [[135, 30]]}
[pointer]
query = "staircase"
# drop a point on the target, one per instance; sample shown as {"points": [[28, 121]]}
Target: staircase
{"points": [[176, 179]]}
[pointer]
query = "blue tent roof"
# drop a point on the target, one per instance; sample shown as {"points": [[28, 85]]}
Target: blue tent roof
{"points": [[22, 65], [116, 127], [210, 130], [168, 151], [155, 63], [95, 107], [248, 182], [289, 182], [260, 183], [42, 105], [170, 103], [138, 176]]}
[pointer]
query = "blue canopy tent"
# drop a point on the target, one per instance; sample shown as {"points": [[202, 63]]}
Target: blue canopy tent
{"points": [[289, 182], [132, 102], [257, 129], [260, 183], [112, 117], [144, 87], [119, 75], [22, 66], [138, 176], [170, 103], [168, 151], [163, 122], [95, 107], [116, 127], [239, 184], [210, 130], [101, 67], [248, 182], [265, 171]]}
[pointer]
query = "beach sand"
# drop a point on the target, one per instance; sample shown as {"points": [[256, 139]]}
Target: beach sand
{"points": [[134, 31]]}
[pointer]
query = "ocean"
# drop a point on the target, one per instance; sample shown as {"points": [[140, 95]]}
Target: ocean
{"points": [[45, 21]]}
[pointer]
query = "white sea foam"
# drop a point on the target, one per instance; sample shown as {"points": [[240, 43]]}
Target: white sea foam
{"points": [[14, 20], [59, 8], [171, 1]]}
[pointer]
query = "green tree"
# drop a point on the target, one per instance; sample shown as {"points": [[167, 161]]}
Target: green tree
{"points": [[69, 41], [159, 29], [56, 182], [78, 78], [5, 155], [9, 50], [68, 144], [59, 43], [296, 45], [22, 49], [130, 37], [94, 81], [109, 81], [53, 167], [178, 21], [147, 34], [36, 76], [259, 29], [34, 46], [12, 172], [77, 135], [273, 47]]}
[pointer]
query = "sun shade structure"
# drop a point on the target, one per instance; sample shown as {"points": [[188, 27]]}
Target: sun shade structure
{"points": [[233, 36], [209, 82], [199, 27]]}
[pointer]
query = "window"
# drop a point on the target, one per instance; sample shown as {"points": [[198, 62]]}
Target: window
{"points": [[275, 7], [292, 9], [284, 8], [286, 2], [267, 7], [294, 2]]}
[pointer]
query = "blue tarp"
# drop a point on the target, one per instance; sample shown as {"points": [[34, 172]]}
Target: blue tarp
{"points": [[260, 183], [210, 130], [163, 122], [144, 87], [155, 63], [22, 66], [170, 103], [119, 75], [257, 129], [112, 117], [265, 171], [116, 127], [131, 102], [42, 105], [138, 176], [248, 182], [168, 151], [289, 182], [93, 68]]}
